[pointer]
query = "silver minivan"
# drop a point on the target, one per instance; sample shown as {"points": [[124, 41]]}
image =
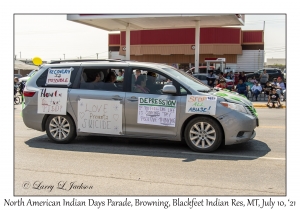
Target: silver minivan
{"points": [[157, 101]]}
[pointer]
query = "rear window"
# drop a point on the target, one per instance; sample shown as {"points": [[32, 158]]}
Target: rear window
{"points": [[56, 81]]}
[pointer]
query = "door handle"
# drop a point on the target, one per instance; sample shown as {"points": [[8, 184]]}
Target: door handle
{"points": [[133, 98], [117, 98]]}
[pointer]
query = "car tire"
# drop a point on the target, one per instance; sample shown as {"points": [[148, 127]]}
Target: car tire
{"points": [[60, 128], [203, 134]]}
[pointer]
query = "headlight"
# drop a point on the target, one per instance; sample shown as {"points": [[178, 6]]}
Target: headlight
{"points": [[237, 107]]}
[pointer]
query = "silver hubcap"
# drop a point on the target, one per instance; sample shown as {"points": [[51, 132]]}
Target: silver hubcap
{"points": [[59, 128], [202, 135]]}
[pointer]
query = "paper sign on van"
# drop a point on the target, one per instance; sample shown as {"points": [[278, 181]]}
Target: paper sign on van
{"points": [[201, 104]]}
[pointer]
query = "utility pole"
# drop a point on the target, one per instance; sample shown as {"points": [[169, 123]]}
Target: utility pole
{"points": [[20, 55], [97, 55], [64, 57]]}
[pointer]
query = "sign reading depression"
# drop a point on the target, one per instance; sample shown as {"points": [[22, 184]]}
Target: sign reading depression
{"points": [[59, 76], [99, 116], [201, 104], [155, 111]]}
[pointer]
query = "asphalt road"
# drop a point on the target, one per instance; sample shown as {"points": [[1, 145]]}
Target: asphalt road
{"points": [[118, 166]]}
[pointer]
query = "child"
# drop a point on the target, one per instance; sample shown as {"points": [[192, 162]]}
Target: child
{"points": [[274, 99]]}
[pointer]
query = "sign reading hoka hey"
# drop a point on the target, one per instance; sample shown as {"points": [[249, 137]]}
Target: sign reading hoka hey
{"points": [[201, 104], [156, 111]]}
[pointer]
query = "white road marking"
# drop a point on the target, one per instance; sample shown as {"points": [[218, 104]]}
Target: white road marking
{"points": [[238, 156]]}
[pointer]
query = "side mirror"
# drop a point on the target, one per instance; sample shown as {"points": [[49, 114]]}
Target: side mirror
{"points": [[169, 89]]}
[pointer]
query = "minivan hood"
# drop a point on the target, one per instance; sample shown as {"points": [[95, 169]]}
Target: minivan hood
{"points": [[233, 96]]}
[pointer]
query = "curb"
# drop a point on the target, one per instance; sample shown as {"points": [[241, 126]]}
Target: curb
{"points": [[265, 106]]}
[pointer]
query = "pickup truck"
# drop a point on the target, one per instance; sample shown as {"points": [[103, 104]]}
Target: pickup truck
{"points": [[273, 73]]}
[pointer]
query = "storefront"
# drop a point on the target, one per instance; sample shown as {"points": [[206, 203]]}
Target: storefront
{"points": [[180, 40], [242, 50]]}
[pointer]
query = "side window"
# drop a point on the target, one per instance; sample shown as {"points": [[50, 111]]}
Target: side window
{"points": [[183, 91], [102, 79], [41, 81], [149, 82], [271, 71]]}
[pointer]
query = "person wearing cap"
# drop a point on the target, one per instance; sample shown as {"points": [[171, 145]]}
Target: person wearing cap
{"points": [[280, 88], [256, 90], [222, 84]]}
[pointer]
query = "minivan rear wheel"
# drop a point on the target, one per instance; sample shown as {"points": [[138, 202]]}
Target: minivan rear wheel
{"points": [[203, 134], [60, 128]]}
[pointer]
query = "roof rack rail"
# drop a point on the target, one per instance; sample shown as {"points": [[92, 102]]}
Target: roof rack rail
{"points": [[84, 60]]}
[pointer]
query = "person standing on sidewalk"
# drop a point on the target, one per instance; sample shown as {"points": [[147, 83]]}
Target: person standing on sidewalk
{"points": [[264, 78], [256, 90]]}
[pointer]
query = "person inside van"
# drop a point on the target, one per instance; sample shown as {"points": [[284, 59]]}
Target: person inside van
{"points": [[93, 80], [93, 76], [151, 83], [140, 85], [111, 77]]}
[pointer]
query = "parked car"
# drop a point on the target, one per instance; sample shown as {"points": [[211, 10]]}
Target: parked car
{"points": [[24, 79], [273, 73], [18, 75], [203, 69], [203, 79], [70, 99]]}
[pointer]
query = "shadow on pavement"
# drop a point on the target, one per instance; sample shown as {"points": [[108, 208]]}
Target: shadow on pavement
{"points": [[155, 148]]}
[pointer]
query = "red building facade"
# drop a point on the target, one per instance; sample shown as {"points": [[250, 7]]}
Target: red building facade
{"points": [[177, 45]]}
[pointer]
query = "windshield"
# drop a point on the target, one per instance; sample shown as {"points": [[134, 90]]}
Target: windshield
{"points": [[187, 79]]}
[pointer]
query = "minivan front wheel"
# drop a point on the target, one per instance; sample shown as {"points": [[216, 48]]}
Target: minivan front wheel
{"points": [[203, 134], [60, 128]]}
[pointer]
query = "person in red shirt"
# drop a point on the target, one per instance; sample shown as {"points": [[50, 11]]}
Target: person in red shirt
{"points": [[222, 84]]}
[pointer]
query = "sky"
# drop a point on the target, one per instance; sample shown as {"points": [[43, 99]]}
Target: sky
{"points": [[53, 37]]}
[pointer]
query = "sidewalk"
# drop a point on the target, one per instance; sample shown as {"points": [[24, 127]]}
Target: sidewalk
{"points": [[263, 104]]}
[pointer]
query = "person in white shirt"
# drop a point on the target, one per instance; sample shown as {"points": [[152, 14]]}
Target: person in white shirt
{"points": [[256, 90], [280, 88]]}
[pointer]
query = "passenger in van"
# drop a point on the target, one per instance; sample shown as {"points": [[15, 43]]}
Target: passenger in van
{"points": [[110, 81], [93, 76], [140, 84], [93, 80], [111, 77]]}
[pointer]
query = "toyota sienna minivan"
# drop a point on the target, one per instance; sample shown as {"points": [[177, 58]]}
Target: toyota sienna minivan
{"points": [[76, 98]]}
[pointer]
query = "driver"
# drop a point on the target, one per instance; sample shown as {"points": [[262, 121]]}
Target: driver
{"points": [[150, 83]]}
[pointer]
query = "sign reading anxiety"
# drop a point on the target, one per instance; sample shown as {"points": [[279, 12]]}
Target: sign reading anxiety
{"points": [[99, 116], [201, 104], [59, 76], [154, 111], [52, 101]]}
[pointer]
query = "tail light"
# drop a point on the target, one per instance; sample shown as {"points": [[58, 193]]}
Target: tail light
{"points": [[29, 93]]}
